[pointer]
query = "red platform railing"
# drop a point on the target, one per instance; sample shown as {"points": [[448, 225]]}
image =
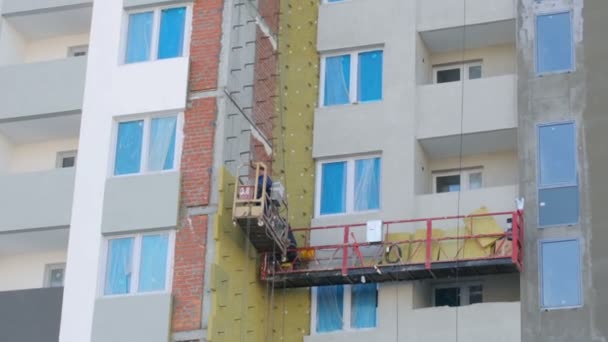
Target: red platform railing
{"points": [[430, 250]]}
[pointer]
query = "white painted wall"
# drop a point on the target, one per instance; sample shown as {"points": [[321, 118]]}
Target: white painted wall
{"points": [[438, 14], [12, 44], [399, 321], [111, 90], [39, 156], [53, 48], [5, 154], [26, 271]]}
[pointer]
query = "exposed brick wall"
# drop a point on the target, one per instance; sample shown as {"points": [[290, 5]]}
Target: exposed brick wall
{"points": [[196, 165]]}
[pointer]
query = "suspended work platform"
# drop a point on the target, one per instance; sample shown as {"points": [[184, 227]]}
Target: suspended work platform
{"points": [[482, 243], [257, 208]]}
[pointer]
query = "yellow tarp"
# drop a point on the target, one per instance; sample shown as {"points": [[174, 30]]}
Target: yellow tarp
{"points": [[418, 249], [483, 225]]}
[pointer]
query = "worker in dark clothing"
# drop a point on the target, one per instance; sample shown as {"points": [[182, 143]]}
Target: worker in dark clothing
{"points": [[261, 184]]}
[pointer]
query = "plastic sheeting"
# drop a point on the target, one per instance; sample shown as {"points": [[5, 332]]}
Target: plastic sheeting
{"points": [[128, 147], [119, 266], [364, 303], [153, 266], [330, 306], [367, 184], [337, 80], [370, 76], [162, 144], [333, 188], [139, 37], [171, 40]]}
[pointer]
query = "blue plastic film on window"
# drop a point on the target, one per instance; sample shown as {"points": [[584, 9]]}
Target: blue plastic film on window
{"points": [[367, 184], [139, 37], [560, 274], [558, 206], [370, 76], [553, 42], [364, 301], [153, 266], [128, 147], [330, 307], [337, 80], [162, 144], [333, 188], [118, 267], [172, 26], [557, 154]]}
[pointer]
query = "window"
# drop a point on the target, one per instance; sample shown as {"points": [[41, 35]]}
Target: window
{"points": [[554, 51], [137, 264], [557, 175], [54, 275], [78, 51], [66, 159], [345, 307], [351, 185], [146, 145], [156, 34], [453, 72], [450, 181], [457, 295], [560, 274], [350, 78]]}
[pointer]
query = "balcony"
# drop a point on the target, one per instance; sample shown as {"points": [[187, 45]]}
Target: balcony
{"points": [[24, 7], [441, 14], [36, 200], [58, 85], [489, 105], [31, 315]]}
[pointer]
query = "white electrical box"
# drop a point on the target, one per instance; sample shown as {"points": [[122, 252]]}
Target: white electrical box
{"points": [[374, 231]]}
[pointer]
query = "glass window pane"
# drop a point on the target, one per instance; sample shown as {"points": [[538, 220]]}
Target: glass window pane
{"points": [[162, 144], [128, 147], [370, 76], [118, 268], [330, 306], [557, 154], [475, 180], [474, 72], [553, 42], [364, 301], [68, 162], [558, 206], [337, 80], [333, 188], [560, 274], [139, 37], [367, 184], [56, 275], [449, 296], [449, 75], [475, 294], [172, 26], [153, 267], [448, 183]]}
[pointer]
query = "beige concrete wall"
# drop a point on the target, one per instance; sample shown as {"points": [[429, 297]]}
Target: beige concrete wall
{"points": [[489, 104], [5, 154], [26, 271], [53, 48], [438, 14], [497, 60], [39, 156]]}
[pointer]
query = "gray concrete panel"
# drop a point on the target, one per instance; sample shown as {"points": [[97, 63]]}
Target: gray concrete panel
{"points": [[36, 200], [44, 88], [141, 202], [143, 3], [31, 315], [17, 7], [141, 318]]}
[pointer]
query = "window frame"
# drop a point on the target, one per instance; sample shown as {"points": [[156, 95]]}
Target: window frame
{"points": [[136, 263], [354, 75], [464, 70], [346, 311], [572, 43], [350, 188], [145, 148], [155, 34], [66, 154], [48, 271], [540, 187], [578, 240], [464, 291], [73, 50], [464, 172]]}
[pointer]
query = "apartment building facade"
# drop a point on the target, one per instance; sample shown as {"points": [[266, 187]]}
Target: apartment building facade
{"points": [[370, 115]]}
